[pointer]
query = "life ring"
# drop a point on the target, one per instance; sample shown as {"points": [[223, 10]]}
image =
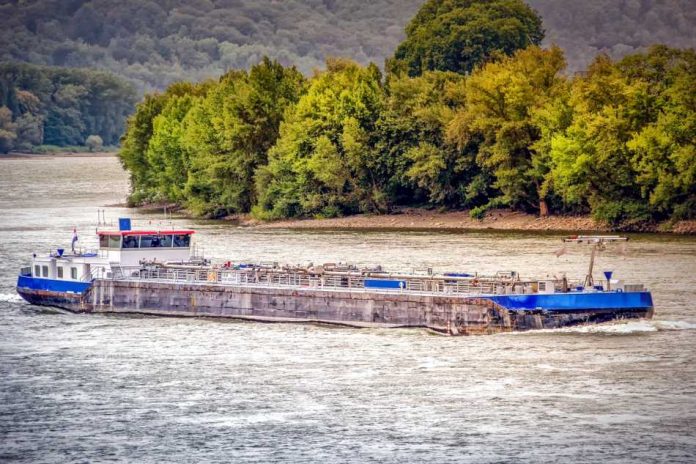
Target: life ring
{"points": [[212, 276]]}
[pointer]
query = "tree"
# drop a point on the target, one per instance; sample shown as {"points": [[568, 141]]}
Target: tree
{"points": [[504, 103], [458, 35], [134, 145], [136, 140], [627, 153], [94, 143], [326, 161], [8, 129], [229, 133], [63, 106], [427, 167], [167, 158]]}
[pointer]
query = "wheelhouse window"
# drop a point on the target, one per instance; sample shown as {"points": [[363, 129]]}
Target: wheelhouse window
{"points": [[155, 241], [130, 241], [37, 271], [103, 241], [114, 241], [44, 271], [73, 273], [59, 271], [182, 241], [166, 241]]}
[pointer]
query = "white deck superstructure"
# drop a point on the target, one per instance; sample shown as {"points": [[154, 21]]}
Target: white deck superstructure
{"points": [[117, 249]]}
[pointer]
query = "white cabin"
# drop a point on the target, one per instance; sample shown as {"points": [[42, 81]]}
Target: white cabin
{"points": [[131, 247], [71, 268], [124, 247]]}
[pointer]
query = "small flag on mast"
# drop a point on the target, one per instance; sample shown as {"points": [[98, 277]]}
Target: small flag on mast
{"points": [[74, 238]]}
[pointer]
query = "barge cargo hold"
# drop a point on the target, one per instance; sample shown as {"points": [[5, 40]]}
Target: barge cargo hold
{"points": [[151, 272]]}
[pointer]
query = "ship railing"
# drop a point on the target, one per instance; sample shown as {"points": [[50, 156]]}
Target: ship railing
{"points": [[292, 279]]}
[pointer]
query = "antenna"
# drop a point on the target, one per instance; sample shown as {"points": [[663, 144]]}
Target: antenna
{"points": [[101, 217]]}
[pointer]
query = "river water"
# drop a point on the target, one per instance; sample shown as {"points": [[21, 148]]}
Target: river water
{"points": [[145, 389]]}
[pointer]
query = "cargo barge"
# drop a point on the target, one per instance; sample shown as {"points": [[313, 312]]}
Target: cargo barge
{"points": [[153, 272]]}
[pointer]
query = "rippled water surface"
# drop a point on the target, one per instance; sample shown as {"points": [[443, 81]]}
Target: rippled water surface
{"points": [[93, 388]]}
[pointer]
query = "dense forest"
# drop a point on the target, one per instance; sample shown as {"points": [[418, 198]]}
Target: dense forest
{"points": [[154, 43], [60, 106], [470, 113]]}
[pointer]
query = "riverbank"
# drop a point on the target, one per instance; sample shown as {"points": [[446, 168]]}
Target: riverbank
{"points": [[61, 154], [422, 219], [418, 219]]}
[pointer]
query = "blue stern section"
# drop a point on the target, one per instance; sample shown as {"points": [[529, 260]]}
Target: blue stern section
{"points": [[571, 302], [51, 285]]}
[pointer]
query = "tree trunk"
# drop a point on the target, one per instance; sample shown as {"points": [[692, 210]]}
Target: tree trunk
{"points": [[543, 208]]}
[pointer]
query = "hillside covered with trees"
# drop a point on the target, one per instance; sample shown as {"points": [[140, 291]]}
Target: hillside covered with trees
{"points": [[42, 105], [462, 118], [154, 43]]}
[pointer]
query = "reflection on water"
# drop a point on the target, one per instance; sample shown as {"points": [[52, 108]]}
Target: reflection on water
{"points": [[92, 388]]}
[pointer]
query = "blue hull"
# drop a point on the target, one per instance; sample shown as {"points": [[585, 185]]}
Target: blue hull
{"points": [[577, 302], [49, 292], [51, 285]]}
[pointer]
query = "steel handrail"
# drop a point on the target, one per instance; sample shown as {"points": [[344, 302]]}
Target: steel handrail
{"points": [[293, 280]]}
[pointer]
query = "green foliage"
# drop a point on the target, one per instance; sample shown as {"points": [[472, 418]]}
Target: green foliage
{"points": [[458, 35], [427, 167], [617, 142], [60, 106], [8, 130], [157, 43], [628, 152], [200, 145], [134, 144], [326, 158], [244, 112], [151, 148], [472, 114], [479, 212], [504, 105]]}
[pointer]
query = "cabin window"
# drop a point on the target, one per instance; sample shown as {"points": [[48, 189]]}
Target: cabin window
{"points": [[155, 241], [103, 241], [182, 241], [37, 271], [150, 241], [44, 271], [130, 241], [73, 273], [115, 241], [59, 271], [165, 241]]}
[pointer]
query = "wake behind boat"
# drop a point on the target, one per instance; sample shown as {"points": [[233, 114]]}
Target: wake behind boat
{"points": [[154, 272]]}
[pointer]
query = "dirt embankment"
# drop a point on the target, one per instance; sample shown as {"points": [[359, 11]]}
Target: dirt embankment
{"points": [[416, 219]]}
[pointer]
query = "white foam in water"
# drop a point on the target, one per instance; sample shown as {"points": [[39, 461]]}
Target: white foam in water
{"points": [[10, 298], [621, 327], [674, 325]]}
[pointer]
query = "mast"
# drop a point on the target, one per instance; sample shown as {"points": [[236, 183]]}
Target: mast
{"points": [[598, 242]]}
